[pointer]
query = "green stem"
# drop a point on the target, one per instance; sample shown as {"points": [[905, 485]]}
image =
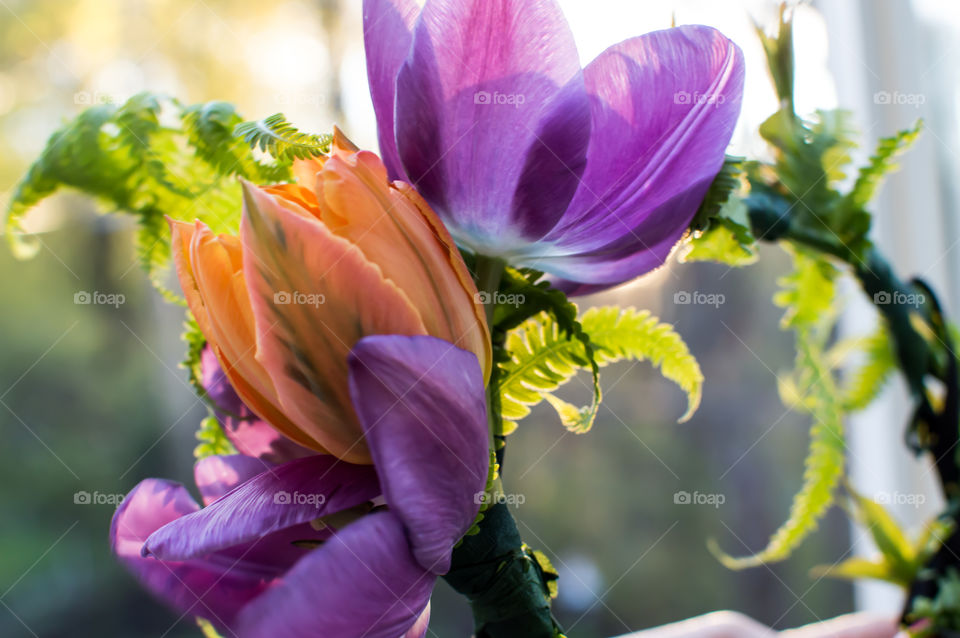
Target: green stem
{"points": [[499, 576], [489, 271]]}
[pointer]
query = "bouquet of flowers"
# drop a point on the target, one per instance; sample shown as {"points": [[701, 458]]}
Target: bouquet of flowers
{"points": [[368, 330]]}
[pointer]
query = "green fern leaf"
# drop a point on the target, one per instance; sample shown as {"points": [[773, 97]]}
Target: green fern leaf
{"points": [[149, 158], [277, 136], [621, 334], [881, 163], [807, 293], [720, 231], [823, 470], [213, 441], [195, 341], [541, 359], [808, 296], [869, 379], [210, 130]]}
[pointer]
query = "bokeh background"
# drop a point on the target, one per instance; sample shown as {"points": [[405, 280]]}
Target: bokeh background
{"points": [[92, 400]]}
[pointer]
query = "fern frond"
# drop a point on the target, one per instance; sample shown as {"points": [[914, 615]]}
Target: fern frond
{"points": [[807, 293], [277, 136], [541, 359], [149, 158], [618, 334], [213, 440], [882, 163], [727, 181], [823, 470], [869, 379]]}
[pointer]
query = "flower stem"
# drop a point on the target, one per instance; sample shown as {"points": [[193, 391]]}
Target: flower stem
{"points": [[501, 578]]}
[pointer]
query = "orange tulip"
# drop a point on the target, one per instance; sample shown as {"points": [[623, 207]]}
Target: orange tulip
{"points": [[319, 264]]}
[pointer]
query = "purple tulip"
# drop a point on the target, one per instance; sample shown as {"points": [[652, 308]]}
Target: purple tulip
{"points": [[590, 174], [317, 546]]}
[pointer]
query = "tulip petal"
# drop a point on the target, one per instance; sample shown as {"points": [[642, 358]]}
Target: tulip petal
{"points": [[250, 435], [287, 495], [419, 629], [387, 34], [212, 589], [423, 408], [639, 251], [664, 106], [362, 582], [396, 229], [218, 475], [209, 269], [334, 297], [491, 100]]}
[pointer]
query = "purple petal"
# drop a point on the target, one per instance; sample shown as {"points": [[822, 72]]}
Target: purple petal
{"points": [[288, 495], [663, 108], [419, 628], [422, 405], [249, 434], [209, 588], [217, 475], [489, 104], [387, 34], [362, 582], [637, 252]]}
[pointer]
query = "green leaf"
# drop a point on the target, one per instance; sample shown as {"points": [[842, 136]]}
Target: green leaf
{"points": [[534, 296], [810, 160], [857, 568], [942, 611], [627, 334], [808, 297], [208, 630], [724, 185], [869, 379], [213, 441], [149, 158], [210, 130], [807, 293], [195, 341], [726, 240], [823, 469], [541, 358], [277, 136], [881, 164]]}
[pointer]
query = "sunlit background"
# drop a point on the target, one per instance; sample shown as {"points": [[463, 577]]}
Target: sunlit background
{"points": [[91, 398]]}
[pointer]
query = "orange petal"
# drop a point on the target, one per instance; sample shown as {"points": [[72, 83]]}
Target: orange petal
{"points": [[314, 295], [395, 228], [226, 296]]}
